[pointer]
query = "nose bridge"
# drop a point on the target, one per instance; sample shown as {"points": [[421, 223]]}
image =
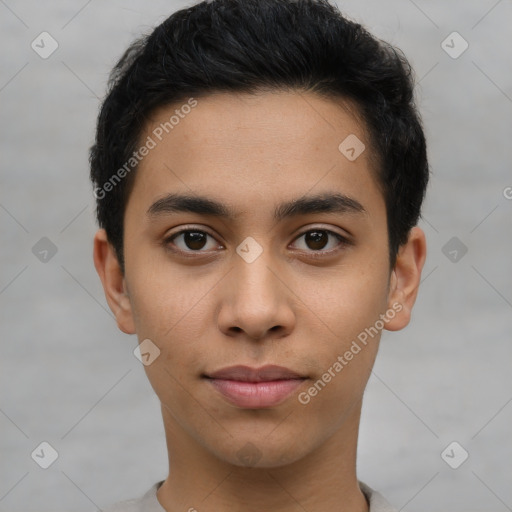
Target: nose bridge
{"points": [[255, 283], [256, 300]]}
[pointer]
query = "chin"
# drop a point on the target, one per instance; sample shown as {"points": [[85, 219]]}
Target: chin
{"points": [[259, 453]]}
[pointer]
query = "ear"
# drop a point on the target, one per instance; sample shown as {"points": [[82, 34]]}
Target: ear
{"points": [[113, 281], [405, 278]]}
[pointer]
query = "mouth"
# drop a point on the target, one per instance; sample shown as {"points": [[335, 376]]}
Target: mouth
{"points": [[255, 388]]}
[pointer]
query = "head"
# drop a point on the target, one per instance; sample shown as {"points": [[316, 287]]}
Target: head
{"points": [[289, 139]]}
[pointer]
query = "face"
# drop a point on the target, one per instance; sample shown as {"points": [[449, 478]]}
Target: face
{"points": [[281, 259]]}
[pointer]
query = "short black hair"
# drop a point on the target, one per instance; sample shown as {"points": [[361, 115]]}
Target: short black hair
{"points": [[263, 45]]}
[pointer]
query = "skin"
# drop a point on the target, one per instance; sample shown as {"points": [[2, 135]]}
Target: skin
{"points": [[206, 312]]}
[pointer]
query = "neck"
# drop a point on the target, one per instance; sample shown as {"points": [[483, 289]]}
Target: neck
{"points": [[323, 480]]}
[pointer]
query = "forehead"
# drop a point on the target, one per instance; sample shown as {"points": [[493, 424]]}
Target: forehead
{"points": [[255, 147], [271, 119]]}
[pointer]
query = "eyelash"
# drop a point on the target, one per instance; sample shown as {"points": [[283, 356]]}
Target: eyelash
{"points": [[343, 242]]}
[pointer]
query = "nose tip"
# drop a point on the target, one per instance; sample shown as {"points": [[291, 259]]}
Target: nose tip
{"points": [[255, 303], [259, 333]]}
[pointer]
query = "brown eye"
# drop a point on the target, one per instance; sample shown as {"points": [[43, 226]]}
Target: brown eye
{"points": [[316, 240], [194, 240], [190, 241], [321, 241]]}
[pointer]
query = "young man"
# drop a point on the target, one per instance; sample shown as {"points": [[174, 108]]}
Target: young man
{"points": [[259, 170]]}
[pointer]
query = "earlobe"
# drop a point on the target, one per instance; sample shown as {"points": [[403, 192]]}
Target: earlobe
{"points": [[113, 281], [405, 278]]}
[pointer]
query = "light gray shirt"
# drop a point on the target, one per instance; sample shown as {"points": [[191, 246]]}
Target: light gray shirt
{"points": [[149, 502]]}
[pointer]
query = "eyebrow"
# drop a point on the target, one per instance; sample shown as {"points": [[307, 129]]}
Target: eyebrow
{"points": [[320, 203]]}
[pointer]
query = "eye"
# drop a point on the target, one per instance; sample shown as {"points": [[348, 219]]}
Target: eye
{"points": [[190, 240], [317, 242], [323, 240]]}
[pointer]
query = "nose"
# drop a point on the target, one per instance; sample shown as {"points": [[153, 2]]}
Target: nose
{"points": [[256, 301]]}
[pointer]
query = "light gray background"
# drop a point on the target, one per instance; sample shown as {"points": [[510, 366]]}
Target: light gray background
{"points": [[68, 375]]}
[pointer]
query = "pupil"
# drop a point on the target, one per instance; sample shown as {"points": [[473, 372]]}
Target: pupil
{"points": [[195, 240], [316, 239]]}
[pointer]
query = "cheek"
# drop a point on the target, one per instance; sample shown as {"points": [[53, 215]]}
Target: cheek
{"points": [[352, 302], [174, 322], [334, 396], [168, 302], [175, 313], [350, 310]]}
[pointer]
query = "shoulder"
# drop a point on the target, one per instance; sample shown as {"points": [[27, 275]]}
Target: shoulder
{"points": [[377, 502], [145, 503], [149, 501]]}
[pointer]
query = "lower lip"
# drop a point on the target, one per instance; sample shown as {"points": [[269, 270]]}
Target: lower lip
{"points": [[255, 395]]}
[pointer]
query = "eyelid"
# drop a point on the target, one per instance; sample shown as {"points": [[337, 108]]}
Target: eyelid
{"points": [[168, 239], [345, 235], [343, 242], [185, 227]]}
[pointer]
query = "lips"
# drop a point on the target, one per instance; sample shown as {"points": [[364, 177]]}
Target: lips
{"points": [[248, 374], [255, 388]]}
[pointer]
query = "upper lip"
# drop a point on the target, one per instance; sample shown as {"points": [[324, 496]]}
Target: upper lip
{"points": [[248, 374]]}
